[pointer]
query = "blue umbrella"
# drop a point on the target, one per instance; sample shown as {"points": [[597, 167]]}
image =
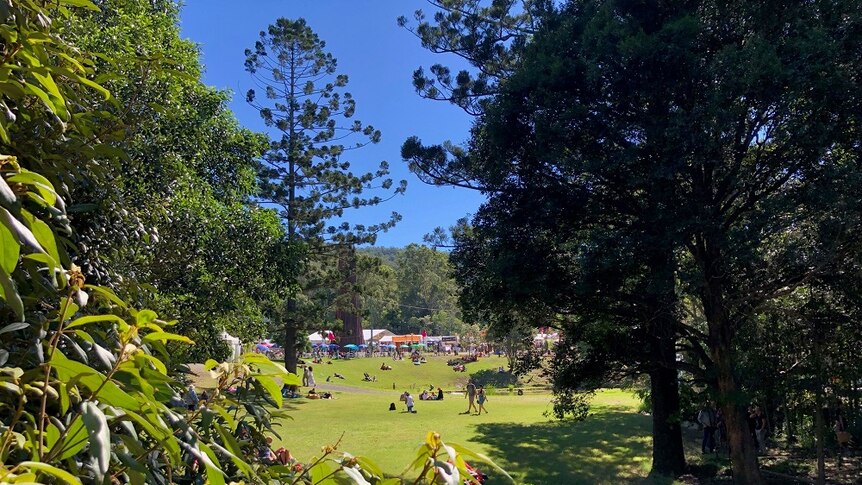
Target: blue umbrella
{"points": [[390, 346], [333, 346], [351, 347]]}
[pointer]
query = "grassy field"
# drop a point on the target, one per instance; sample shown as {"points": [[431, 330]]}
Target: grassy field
{"points": [[613, 445]]}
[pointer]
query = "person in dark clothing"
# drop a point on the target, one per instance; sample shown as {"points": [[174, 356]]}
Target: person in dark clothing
{"points": [[439, 394], [706, 418], [752, 426]]}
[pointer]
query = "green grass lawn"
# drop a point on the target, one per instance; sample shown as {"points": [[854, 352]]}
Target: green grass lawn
{"points": [[613, 445]]}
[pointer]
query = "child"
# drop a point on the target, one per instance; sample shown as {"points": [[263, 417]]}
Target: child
{"points": [[409, 400], [481, 400]]}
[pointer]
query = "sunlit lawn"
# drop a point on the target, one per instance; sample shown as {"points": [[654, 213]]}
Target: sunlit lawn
{"points": [[613, 445]]}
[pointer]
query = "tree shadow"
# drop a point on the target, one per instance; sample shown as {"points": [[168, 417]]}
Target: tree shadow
{"points": [[611, 447], [490, 377]]}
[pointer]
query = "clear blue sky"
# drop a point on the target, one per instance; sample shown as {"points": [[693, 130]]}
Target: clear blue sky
{"points": [[379, 57]]}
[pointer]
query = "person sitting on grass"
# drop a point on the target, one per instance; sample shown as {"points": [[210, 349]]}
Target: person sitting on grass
{"points": [[312, 394], [265, 453], [424, 396]]}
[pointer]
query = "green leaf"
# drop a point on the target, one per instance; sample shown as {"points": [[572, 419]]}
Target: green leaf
{"points": [[87, 4], [9, 250], [164, 436], [165, 336], [75, 440], [355, 475], [483, 458], [110, 393], [158, 364], [78, 322], [20, 231], [272, 388], [369, 466], [64, 398], [43, 233], [210, 364], [42, 95], [8, 386], [42, 185], [52, 435], [70, 310], [50, 470], [14, 326], [145, 316], [214, 474], [228, 418], [10, 294], [320, 471], [107, 294], [100, 438], [243, 467]]}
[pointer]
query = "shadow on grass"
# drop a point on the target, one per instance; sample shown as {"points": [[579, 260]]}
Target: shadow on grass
{"points": [[490, 377], [611, 447]]}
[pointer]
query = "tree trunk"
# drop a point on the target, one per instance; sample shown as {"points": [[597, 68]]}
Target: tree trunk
{"points": [[743, 455], [290, 336], [668, 456], [819, 425], [667, 451]]}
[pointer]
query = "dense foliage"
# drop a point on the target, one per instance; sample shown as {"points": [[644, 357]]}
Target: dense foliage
{"points": [[670, 179], [90, 391], [161, 222], [407, 290]]}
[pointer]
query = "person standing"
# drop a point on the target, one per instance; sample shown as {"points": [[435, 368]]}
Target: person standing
{"points": [[310, 381], [305, 376], [481, 398], [760, 429], [706, 418], [191, 398], [471, 396], [409, 400]]}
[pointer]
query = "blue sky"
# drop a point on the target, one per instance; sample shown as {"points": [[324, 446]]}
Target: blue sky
{"points": [[379, 57]]}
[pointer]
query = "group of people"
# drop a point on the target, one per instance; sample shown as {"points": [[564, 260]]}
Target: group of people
{"points": [[428, 395], [712, 421], [475, 396]]}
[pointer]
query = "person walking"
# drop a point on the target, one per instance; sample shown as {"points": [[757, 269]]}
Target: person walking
{"points": [[706, 418], [471, 396], [481, 398]]}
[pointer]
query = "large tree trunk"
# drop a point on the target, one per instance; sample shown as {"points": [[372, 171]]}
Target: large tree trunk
{"points": [[668, 456], [667, 451], [290, 336], [743, 455]]}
